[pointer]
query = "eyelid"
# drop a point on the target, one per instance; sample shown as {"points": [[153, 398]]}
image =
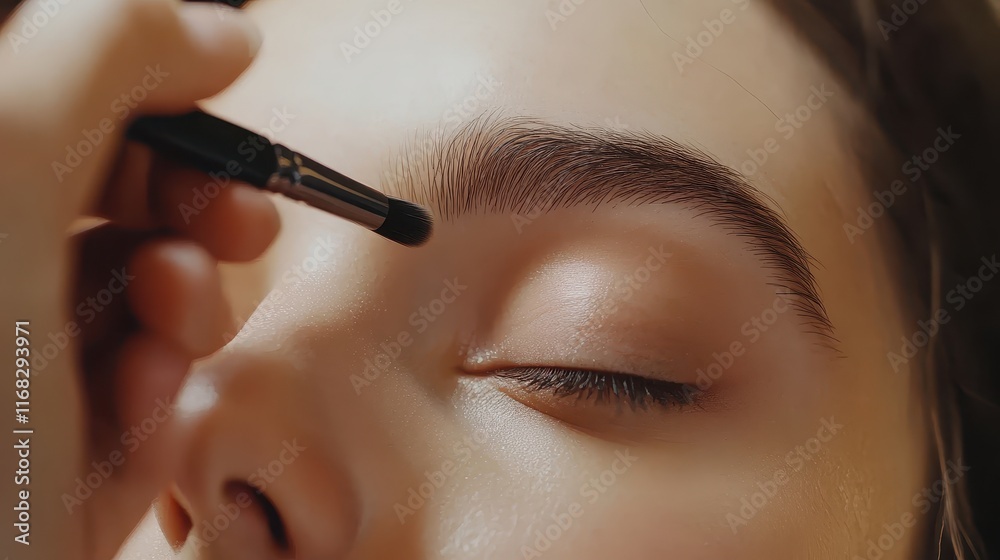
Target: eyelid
{"points": [[602, 387]]}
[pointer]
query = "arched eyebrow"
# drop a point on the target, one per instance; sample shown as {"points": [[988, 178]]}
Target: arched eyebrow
{"points": [[525, 166]]}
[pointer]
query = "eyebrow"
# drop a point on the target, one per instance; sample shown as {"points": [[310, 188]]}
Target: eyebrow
{"points": [[517, 165]]}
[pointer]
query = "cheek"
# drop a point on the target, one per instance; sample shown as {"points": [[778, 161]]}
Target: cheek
{"points": [[534, 488], [535, 485], [597, 506]]}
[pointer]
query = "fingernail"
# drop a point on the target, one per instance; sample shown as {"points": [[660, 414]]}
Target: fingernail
{"points": [[253, 34], [240, 19]]}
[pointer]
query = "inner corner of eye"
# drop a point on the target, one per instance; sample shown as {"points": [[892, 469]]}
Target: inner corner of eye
{"points": [[478, 361]]}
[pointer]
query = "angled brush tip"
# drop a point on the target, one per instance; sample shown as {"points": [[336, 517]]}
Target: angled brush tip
{"points": [[406, 223]]}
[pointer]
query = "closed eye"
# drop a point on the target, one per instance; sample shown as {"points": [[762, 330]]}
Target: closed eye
{"points": [[602, 388]]}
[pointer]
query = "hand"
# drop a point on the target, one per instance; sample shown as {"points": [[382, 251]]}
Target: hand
{"points": [[114, 314]]}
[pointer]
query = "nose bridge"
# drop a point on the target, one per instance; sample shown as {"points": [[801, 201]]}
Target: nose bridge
{"points": [[310, 417], [262, 477]]}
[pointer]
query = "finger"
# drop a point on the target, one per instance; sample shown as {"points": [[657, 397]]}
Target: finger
{"points": [[118, 59], [177, 52], [144, 449], [101, 319], [234, 221], [150, 370], [177, 294], [131, 377], [125, 199], [99, 309]]}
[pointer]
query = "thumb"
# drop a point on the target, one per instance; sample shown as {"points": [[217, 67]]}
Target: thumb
{"points": [[72, 86]]}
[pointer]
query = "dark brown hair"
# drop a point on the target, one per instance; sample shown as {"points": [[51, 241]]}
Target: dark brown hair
{"points": [[917, 66]]}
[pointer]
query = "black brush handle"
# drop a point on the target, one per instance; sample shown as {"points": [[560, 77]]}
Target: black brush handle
{"points": [[210, 144]]}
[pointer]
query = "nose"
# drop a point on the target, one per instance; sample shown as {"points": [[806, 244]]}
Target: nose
{"points": [[257, 482]]}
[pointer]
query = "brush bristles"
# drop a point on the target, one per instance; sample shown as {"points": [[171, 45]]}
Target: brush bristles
{"points": [[406, 223]]}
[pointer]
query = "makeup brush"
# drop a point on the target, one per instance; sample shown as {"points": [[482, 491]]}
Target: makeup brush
{"points": [[216, 146]]}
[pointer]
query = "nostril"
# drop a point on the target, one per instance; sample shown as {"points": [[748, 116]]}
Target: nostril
{"points": [[177, 524], [275, 524], [175, 521]]}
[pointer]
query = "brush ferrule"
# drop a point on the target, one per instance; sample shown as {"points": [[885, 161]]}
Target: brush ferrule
{"points": [[304, 179]]}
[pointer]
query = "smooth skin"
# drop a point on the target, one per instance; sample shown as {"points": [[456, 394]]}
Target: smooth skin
{"points": [[840, 435]]}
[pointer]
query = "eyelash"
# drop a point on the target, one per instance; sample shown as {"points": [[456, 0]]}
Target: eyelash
{"points": [[603, 387]]}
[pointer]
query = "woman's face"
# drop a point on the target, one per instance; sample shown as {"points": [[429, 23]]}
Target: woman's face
{"points": [[612, 347]]}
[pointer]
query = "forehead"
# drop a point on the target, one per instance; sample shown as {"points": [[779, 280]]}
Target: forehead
{"points": [[362, 78], [368, 75]]}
